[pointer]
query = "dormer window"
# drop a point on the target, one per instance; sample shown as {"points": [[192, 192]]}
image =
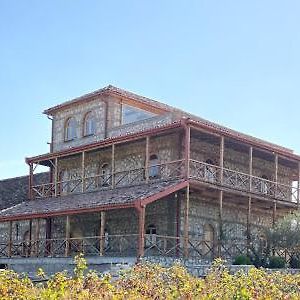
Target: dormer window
{"points": [[70, 129], [89, 124]]}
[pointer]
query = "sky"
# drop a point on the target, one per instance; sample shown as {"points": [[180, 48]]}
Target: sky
{"points": [[233, 62]]}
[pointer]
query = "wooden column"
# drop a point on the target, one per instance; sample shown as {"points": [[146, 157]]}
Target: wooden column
{"points": [[221, 158], [186, 223], [274, 212], [147, 158], [56, 177], [37, 237], [249, 225], [177, 199], [30, 193], [102, 233], [276, 174], [141, 236], [187, 147], [9, 251], [113, 166], [48, 236], [67, 249], [83, 171], [250, 167], [30, 252], [298, 185], [220, 223]]}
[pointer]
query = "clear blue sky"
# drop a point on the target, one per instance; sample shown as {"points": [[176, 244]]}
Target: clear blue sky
{"points": [[233, 62]]}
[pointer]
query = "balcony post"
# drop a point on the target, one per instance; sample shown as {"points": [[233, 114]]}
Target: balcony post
{"points": [[67, 249], [147, 157], [221, 159], [276, 174], [187, 149], [250, 167], [186, 223], [249, 225], [56, 177], [30, 192], [37, 235], [9, 251], [220, 239], [141, 236], [102, 233], [83, 171], [113, 166], [298, 186]]}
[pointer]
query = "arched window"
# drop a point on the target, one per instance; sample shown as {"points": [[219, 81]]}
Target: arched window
{"points": [[150, 238], [154, 168], [89, 127], [264, 186], [70, 129], [105, 178], [210, 171]]}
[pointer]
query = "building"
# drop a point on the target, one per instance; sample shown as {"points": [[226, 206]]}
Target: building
{"points": [[129, 176]]}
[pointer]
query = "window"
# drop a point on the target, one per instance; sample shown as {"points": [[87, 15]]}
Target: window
{"points": [[154, 168], [89, 124], [150, 240], [105, 178], [210, 171], [132, 114], [264, 185], [70, 129]]}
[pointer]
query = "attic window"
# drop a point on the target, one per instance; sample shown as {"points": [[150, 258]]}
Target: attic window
{"points": [[132, 114]]}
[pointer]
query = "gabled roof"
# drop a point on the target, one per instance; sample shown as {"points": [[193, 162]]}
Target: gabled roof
{"points": [[91, 201]]}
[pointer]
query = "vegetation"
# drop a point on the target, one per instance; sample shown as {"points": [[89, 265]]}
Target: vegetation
{"points": [[150, 281]]}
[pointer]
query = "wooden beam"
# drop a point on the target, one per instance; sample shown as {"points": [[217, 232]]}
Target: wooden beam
{"points": [[30, 193], [178, 202], [186, 222], [147, 158], [67, 249], [221, 158], [10, 241], [56, 177], [249, 225], [276, 173], [113, 165], [250, 167], [30, 239], [83, 171], [220, 238], [102, 233], [141, 234], [187, 149]]}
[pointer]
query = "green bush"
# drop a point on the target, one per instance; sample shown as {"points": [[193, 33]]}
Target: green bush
{"points": [[276, 262], [242, 260], [295, 262]]}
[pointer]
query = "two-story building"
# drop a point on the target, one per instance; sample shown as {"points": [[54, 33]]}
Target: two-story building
{"points": [[129, 176]]}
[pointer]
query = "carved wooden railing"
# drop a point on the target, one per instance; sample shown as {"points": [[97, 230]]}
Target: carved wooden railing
{"points": [[242, 182], [165, 171]]}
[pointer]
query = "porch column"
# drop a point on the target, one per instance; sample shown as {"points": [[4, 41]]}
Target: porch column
{"points": [[56, 177], [67, 249], [250, 167], [186, 223], [220, 223], [9, 250], [187, 147], [37, 236], [147, 157], [276, 174], [141, 229], [113, 166], [177, 198], [221, 158], [48, 236], [274, 212], [248, 225], [30, 194], [83, 171], [102, 233], [30, 252], [298, 185]]}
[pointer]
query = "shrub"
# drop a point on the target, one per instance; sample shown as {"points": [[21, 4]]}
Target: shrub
{"points": [[242, 260], [295, 262], [276, 262]]}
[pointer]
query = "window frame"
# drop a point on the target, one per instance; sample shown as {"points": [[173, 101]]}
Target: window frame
{"points": [[88, 115], [70, 129]]}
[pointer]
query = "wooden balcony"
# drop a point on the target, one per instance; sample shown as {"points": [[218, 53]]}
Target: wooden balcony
{"points": [[199, 171]]}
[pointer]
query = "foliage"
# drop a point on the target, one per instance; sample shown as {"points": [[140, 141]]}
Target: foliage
{"points": [[295, 262], [242, 260], [276, 262], [150, 281]]}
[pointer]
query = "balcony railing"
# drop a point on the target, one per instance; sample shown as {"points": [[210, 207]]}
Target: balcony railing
{"points": [[242, 182], [199, 171]]}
